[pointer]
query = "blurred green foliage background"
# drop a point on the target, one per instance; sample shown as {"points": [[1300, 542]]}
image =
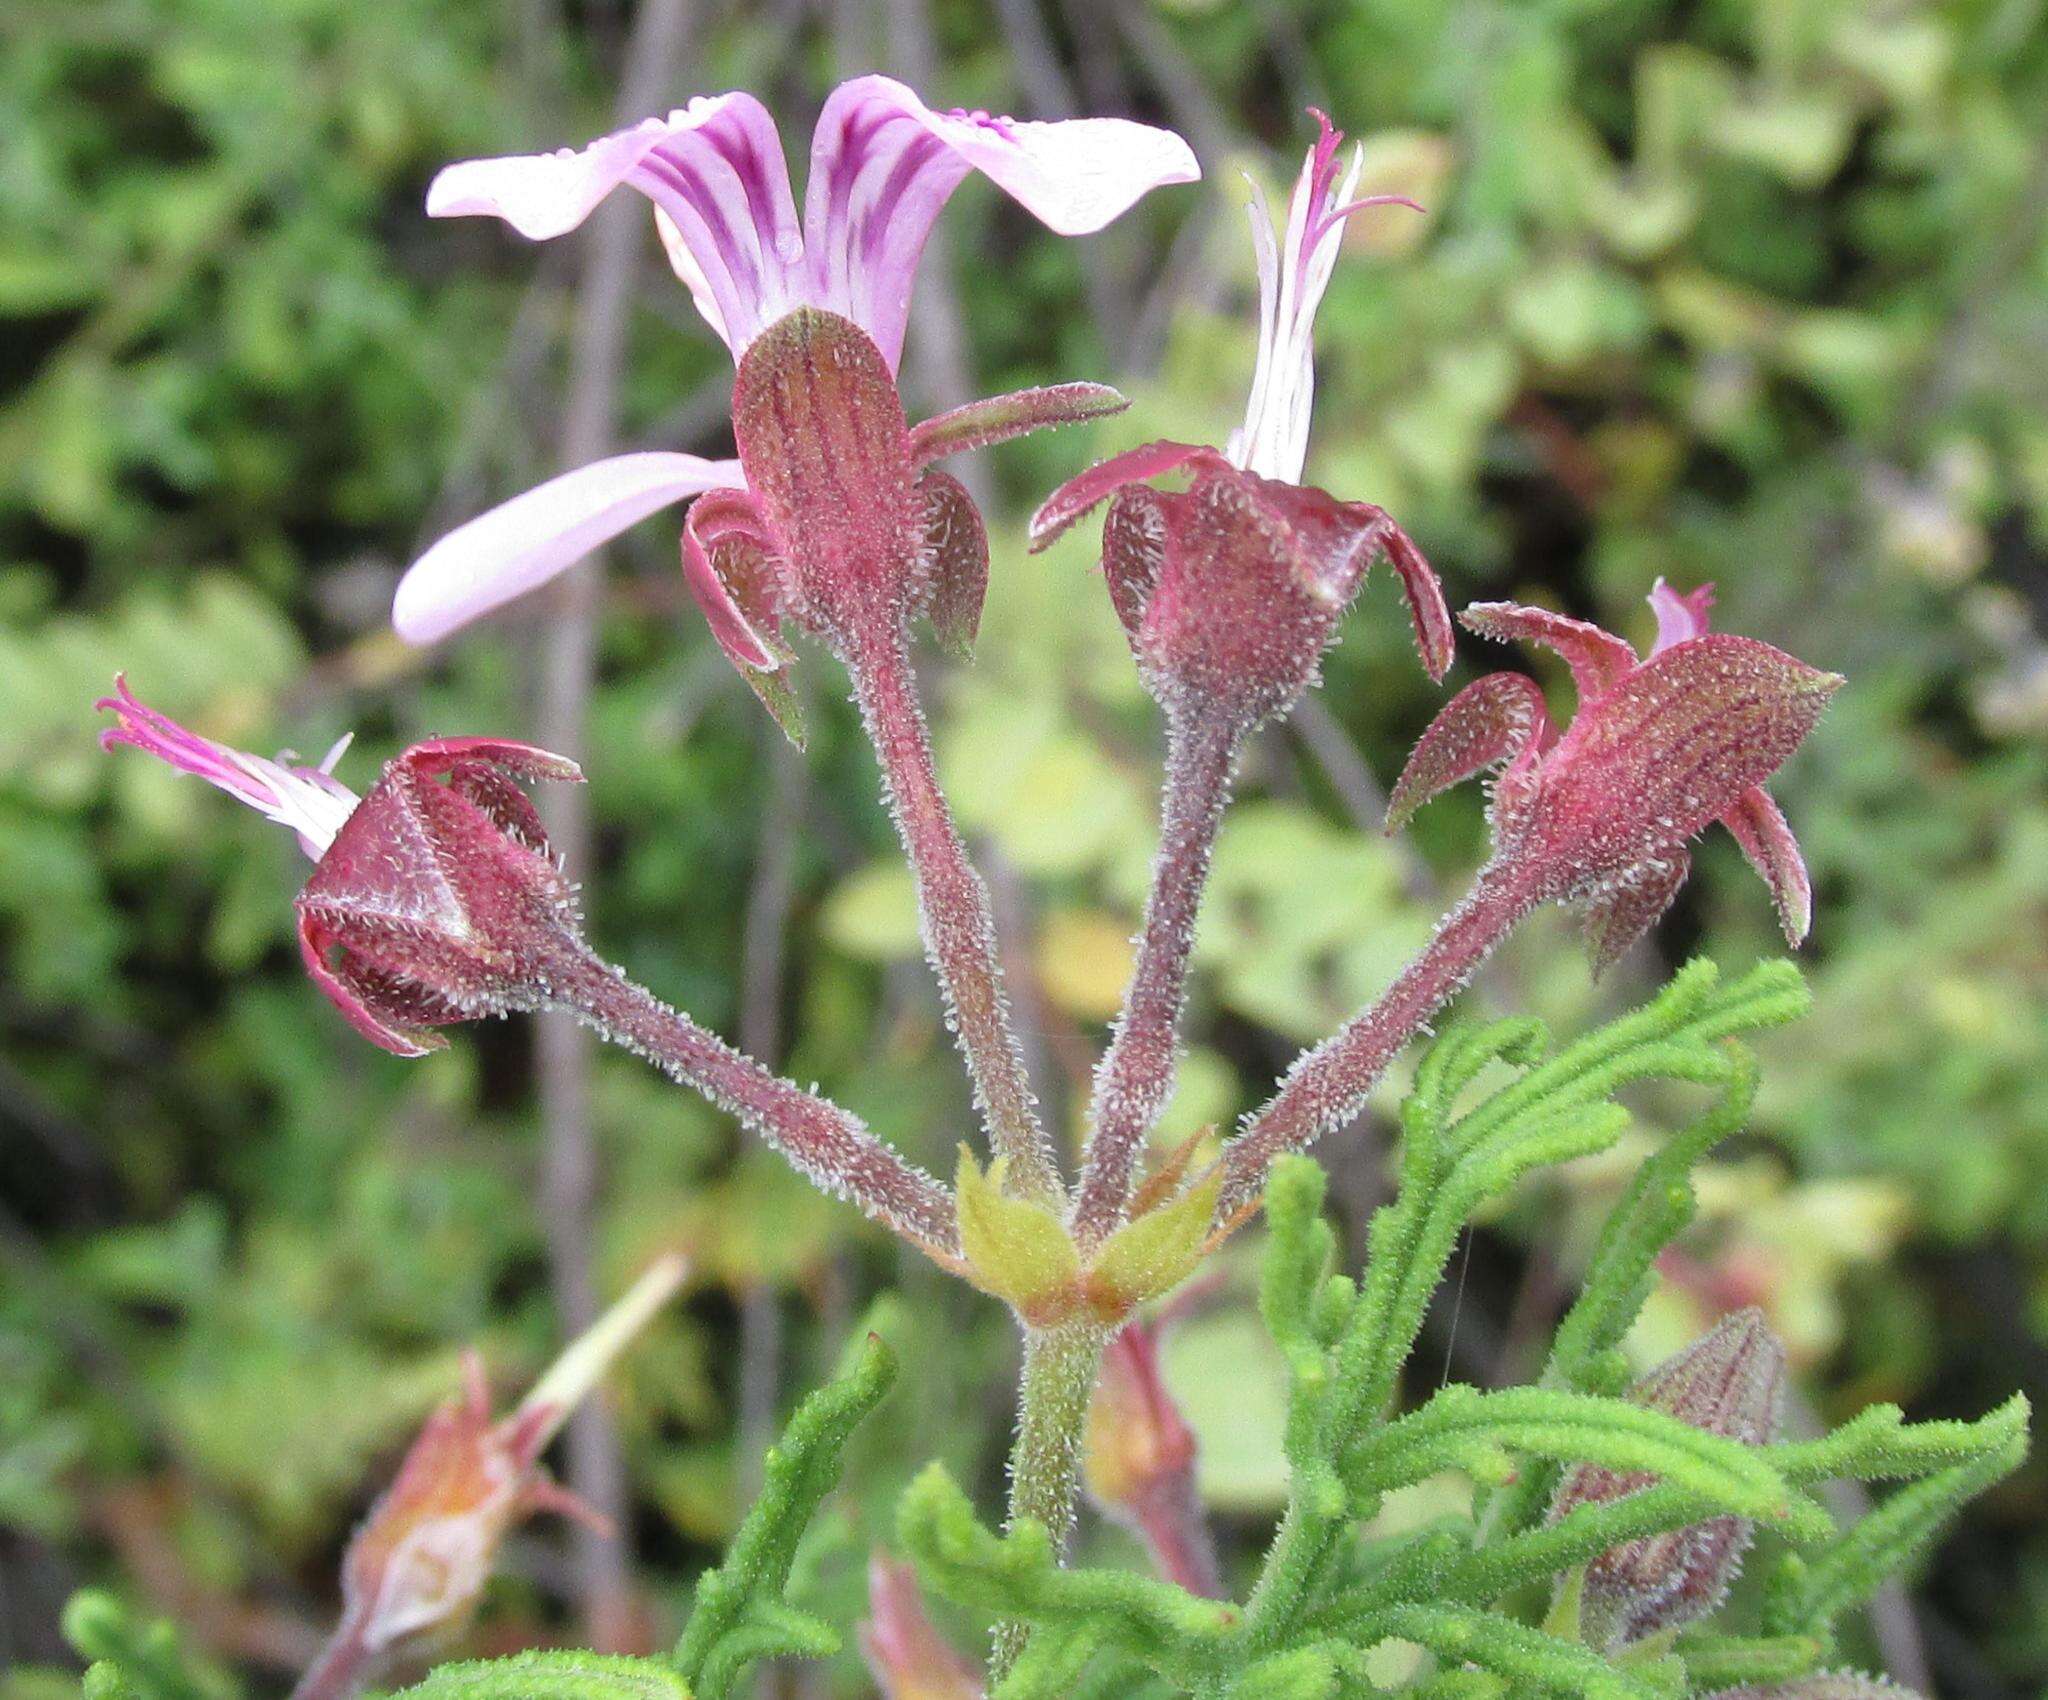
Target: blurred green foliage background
{"points": [[1733, 290]]}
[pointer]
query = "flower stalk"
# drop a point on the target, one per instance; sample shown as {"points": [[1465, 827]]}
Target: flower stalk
{"points": [[1060, 1366], [1328, 1085], [828, 1145], [954, 913], [1134, 1080]]}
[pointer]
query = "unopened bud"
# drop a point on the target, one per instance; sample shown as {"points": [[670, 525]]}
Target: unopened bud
{"points": [[439, 899], [1138, 1459], [909, 1658], [423, 1555], [1728, 1383]]}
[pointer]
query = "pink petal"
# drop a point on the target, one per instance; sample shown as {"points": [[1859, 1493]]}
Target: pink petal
{"points": [[1294, 272], [522, 544], [1598, 659], [1075, 497], [1492, 720], [1760, 827], [715, 168], [309, 800], [1681, 615], [883, 164]]}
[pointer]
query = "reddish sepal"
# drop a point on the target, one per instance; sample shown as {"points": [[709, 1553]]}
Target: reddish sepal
{"points": [[996, 419], [956, 560], [1493, 720], [1075, 497], [1760, 827]]}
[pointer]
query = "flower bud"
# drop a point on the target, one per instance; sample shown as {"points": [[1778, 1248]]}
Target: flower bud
{"points": [[909, 1658], [434, 897], [439, 900], [1730, 1382], [423, 1555], [1230, 590], [1138, 1459]]}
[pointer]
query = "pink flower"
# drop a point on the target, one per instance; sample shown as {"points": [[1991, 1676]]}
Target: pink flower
{"points": [[1660, 748], [883, 164], [433, 896], [1231, 590]]}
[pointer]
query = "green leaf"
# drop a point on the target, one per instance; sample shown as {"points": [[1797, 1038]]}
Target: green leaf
{"points": [[740, 1614], [554, 1676], [130, 1659], [1016, 1577], [1809, 1598]]}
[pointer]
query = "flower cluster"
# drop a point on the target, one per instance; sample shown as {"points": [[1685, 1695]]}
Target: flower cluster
{"points": [[435, 897]]}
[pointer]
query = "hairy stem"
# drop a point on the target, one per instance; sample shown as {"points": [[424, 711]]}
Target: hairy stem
{"points": [[1328, 1086], [953, 909], [1060, 1366], [1135, 1078], [830, 1146]]}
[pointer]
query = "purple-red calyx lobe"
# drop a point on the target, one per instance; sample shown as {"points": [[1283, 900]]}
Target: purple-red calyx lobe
{"points": [[1661, 747], [1231, 589]]}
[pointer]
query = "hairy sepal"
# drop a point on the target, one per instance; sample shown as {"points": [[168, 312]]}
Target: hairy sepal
{"points": [[1490, 722], [439, 899], [1677, 743], [1760, 827], [734, 575], [996, 419], [1089, 489], [1597, 658], [1627, 908], [956, 561], [821, 434]]}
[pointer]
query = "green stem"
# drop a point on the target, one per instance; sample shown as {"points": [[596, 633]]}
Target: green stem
{"points": [[1060, 1366]]}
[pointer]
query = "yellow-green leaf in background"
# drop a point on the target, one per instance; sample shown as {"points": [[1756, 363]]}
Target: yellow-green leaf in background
{"points": [[1084, 961], [873, 913]]}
